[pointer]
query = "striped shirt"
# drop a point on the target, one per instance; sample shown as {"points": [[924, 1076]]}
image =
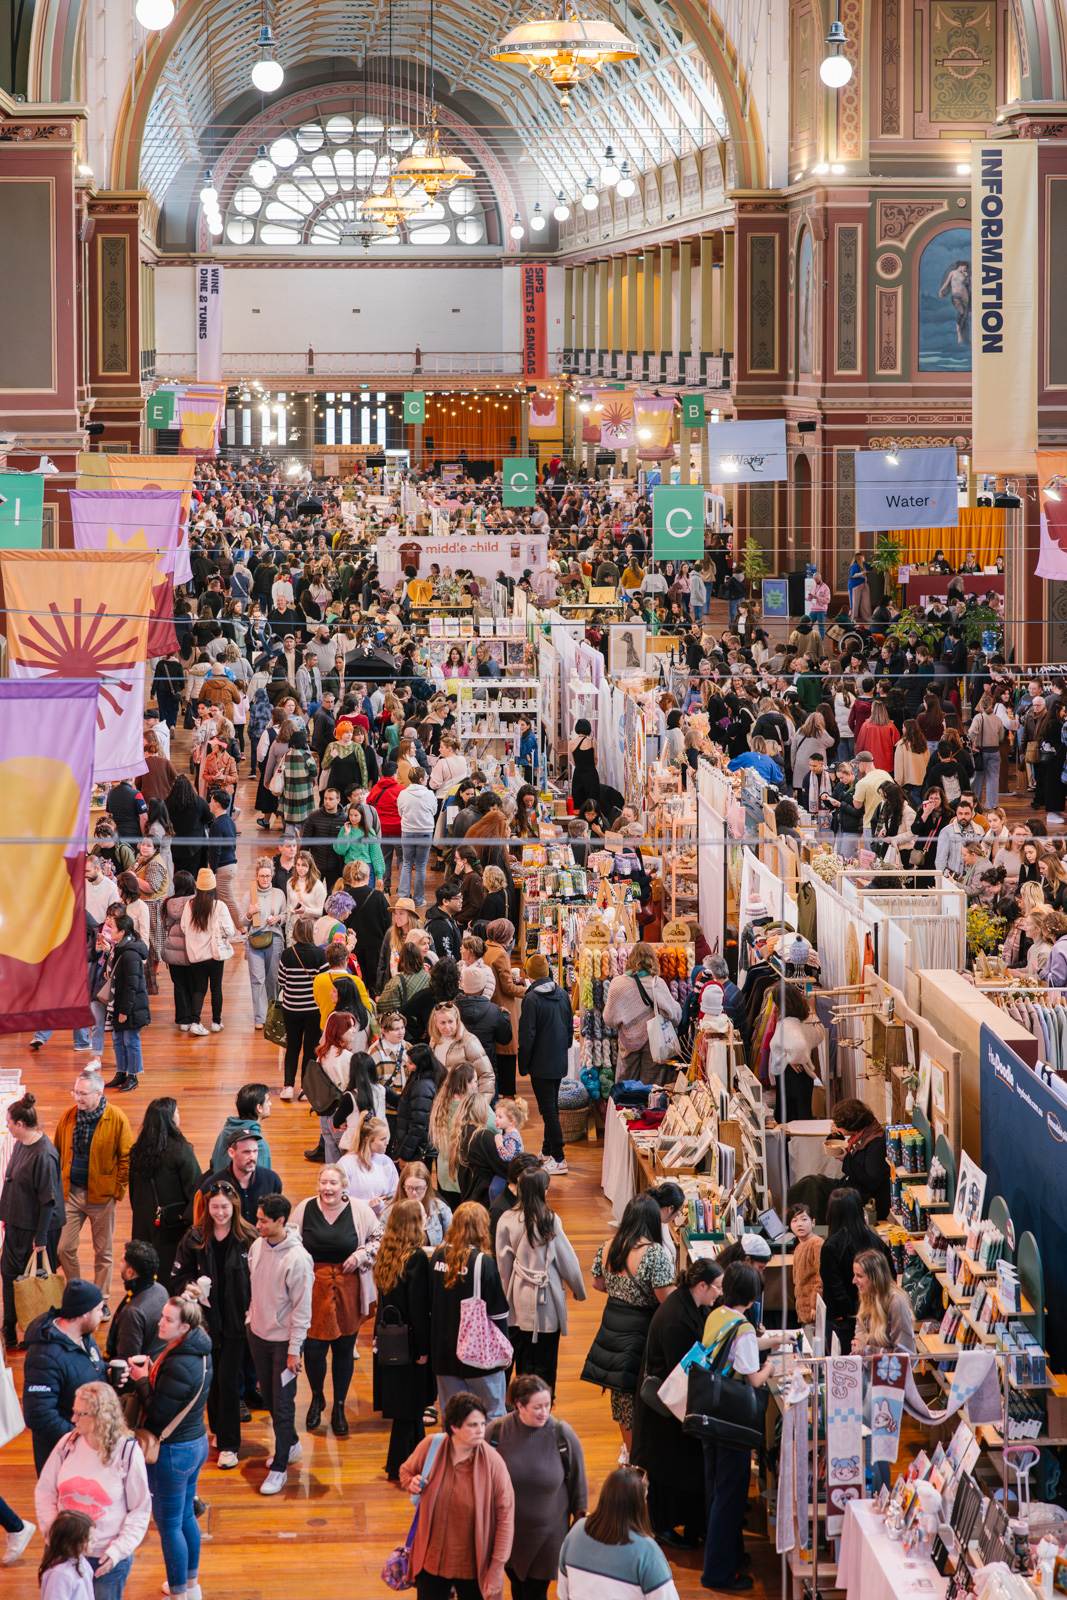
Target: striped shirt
{"points": [[592, 1571]]}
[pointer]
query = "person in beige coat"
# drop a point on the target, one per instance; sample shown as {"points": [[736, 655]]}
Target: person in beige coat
{"points": [[910, 761], [452, 1043], [507, 994]]}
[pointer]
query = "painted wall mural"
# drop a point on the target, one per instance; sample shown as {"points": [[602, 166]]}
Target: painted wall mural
{"points": [[945, 303]]}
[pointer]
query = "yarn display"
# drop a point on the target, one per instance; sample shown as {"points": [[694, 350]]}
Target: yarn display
{"points": [[599, 1049]]}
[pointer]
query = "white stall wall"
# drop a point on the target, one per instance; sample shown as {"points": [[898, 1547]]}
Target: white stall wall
{"points": [[286, 308]]}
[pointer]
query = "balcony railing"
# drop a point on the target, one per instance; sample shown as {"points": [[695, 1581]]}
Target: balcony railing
{"points": [[383, 364]]}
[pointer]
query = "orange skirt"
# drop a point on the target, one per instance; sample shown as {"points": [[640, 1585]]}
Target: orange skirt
{"points": [[335, 1303]]}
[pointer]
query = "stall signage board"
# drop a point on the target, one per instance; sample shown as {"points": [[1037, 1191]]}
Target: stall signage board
{"points": [[520, 481], [678, 523], [21, 510], [415, 408], [159, 412], [693, 411]]}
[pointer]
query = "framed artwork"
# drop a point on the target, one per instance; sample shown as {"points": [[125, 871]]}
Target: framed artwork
{"points": [[945, 302], [922, 1093], [969, 1203], [626, 647], [938, 1090]]}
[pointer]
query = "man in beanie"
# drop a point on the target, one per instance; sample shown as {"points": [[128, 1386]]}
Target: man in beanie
{"points": [[489, 1023], [61, 1355], [546, 1033]]}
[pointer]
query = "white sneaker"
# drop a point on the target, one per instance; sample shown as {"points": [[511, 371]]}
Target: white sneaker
{"points": [[199, 1029], [184, 1026], [16, 1543], [273, 1483], [1051, 816], [286, 1094], [296, 1452], [553, 1167], [217, 1027], [227, 1459]]}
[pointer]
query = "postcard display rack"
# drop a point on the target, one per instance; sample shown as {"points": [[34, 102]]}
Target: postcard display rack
{"points": [[604, 955]]}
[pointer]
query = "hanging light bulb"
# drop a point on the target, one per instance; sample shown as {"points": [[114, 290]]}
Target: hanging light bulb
{"points": [[267, 73], [262, 171], [590, 199], [516, 230], [154, 14], [891, 457], [214, 224], [537, 220], [561, 210], [626, 185], [609, 172], [836, 69], [209, 194]]}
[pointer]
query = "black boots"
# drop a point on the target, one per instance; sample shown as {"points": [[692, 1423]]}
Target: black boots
{"points": [[338, 1420], [315, 1410]]}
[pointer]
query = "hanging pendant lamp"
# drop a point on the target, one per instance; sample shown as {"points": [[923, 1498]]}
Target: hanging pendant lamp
{"points": [[564, 49]]}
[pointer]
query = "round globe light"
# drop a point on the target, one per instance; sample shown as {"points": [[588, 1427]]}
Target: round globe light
{"points": [[537, 220], [262, 171], [625, 187], [209, 194], [590, 200], [214, 224], [835, 71], [609, 175], [561, 210], [267, 76], [154, 14], [516, 230]]}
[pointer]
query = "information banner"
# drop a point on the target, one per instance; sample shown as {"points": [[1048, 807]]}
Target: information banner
{"points": [[21, 510], [415, 408], [209, 323], [159, 412], [903, 489], [1003, 299], [485, 557], [747, 452], [693, 411]]}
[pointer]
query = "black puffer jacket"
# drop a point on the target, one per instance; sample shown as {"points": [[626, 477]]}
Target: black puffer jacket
{"points": [[184, 1374], [413, 1116], [55, 1367], [195, 1258], [546, 1031], [489, 1023], [614, 1359], [129, 992]]}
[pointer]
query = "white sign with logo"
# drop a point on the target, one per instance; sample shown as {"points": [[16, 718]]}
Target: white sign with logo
{"points": [[747, 452], [901, 489], [485, 556]]}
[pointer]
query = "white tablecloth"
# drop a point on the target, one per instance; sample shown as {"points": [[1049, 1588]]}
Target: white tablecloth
{"points": [[617, 1172], [874, 1567]]}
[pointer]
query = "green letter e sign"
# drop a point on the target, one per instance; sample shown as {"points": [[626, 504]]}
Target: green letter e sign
{"points": [[415, 409], [678, 523], [520, 481]]}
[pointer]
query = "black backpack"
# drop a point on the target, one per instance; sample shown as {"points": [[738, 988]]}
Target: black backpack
{"points": [[492, 1437]]}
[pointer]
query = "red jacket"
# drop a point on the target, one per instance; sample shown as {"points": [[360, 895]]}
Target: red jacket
{"points": [[383, 798]]}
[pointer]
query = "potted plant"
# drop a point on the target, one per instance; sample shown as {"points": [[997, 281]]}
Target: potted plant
{"points": [[753, 566], [884, 559]]}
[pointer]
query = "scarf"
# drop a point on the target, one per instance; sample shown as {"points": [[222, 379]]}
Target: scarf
{"points": [[844, 1438], [85, 1126], [864, 1137]]}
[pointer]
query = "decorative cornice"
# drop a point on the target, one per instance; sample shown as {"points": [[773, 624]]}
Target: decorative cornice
{"points": [[330, 263], [35, 132]]}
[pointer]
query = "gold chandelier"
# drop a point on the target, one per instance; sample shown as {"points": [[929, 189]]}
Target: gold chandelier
{"points": [[437, 168], [389, 207], [564, 49]]}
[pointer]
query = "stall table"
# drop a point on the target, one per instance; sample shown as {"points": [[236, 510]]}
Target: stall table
{"points": [[922, 588], [874, 1567]]}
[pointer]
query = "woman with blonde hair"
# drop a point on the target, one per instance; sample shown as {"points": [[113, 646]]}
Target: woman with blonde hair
{"points": [[884, 1321], [1055, 876], [452, 1281], [451, 765], [472, 1150], [305, 892], [631, 1001], [405, 761], [910, 761], [495, 904], [102, 1452], [405, 919], [403, 1392], [411, 978], [810, 739], [416, 1183], [451, 1043], [460, 1083], [368, 1172], [342, 1235]]}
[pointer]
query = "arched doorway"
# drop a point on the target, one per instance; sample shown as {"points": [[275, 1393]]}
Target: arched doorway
{"points": [[800, 533]]}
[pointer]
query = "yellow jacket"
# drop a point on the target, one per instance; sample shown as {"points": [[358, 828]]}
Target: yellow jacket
{"points": [[109, 1154]]}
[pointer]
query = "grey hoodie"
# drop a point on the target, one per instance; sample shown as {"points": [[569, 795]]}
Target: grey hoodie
{"points": [[282, 1276]]}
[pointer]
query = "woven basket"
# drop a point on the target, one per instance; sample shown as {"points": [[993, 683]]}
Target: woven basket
{"points": [[573, 1123]]}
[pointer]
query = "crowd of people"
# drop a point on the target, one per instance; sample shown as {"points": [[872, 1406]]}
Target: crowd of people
{"points": [[425, 1239]]}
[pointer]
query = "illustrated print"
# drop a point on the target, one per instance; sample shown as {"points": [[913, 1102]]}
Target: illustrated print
{"points": [[844, 1468]]}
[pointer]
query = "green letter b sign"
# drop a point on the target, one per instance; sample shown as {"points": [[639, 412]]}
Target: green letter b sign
{"points": [[678, 523]]}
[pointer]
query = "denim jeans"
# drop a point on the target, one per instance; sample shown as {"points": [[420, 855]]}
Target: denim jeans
{"points": [[391, 850], [127, 1042], [734, 608], [819, 619], [727, 1474], [987, 782], [172, 1480], [10, 1521], [111, 1585], [414, 858], [84, 1038], [698, 613], [490, 1388], [263, 976]]}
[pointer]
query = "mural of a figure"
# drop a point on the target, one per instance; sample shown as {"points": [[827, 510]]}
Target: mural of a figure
{"points": [[944, 320], [806, 303]]}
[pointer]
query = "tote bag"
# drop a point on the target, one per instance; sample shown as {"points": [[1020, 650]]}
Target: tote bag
{"points": [[12, 1421], [480, 1343], [663, 1043], [36, 1291]]}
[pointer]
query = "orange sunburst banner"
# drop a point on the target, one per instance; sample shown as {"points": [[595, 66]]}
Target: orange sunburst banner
{"points": [[85, 614]]}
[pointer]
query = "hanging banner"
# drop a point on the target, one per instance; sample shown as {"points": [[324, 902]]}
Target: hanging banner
{"points": [[21, 510], [1052, 470], [693, 411], [534, 324], [159, 411], [136, 519], [520, 481], [415, 409], [85, 614], [616, 420], [47, 734], [904, 489], [544, 415], [747, 452], [209, 323], [844, 1438], [485, 556], [1004, 206], [154, 472], [654, 426], [200, 416], [678, 523]]}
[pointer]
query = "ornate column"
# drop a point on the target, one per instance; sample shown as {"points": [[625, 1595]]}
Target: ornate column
{"points": [[568, 313], [685, 304], [648, 309], [666, 300], [590, 313], [633, 307], [113, 316]]}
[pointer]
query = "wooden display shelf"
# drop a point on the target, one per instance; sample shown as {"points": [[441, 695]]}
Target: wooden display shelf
{"points": [[992, 1438], [921, 1191], [936, 1348], [901, 1225], [983, 1337], [925, 1255], [907, 1174], [979, 1272], [950, 1289], [950, 1229]]}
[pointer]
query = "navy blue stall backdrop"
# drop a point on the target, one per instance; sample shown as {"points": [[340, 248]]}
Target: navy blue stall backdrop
{"points": [[1024, 1152]]}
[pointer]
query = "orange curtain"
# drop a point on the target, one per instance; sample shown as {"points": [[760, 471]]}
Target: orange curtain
{"points": [[483, 428], [981, 529]]}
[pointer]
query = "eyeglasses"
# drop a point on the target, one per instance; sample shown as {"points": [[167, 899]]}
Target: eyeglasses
{"points": [[221, 1188]]}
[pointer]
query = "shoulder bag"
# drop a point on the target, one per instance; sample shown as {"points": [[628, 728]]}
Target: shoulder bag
{"points": [[480, 1343], [150, 1442], [261, 938], [167, 1216], [12, 1421], [319, 1088], [274, 1027], [663, 1042], [392, 1340], [725, 1409], [37, 1290], [397, 1573]]}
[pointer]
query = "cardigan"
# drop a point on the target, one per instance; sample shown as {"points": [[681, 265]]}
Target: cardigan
{"points": [[494, 1508]]}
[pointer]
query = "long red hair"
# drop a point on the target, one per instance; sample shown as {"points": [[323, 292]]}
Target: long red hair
{"points": [[338, 1024]]}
